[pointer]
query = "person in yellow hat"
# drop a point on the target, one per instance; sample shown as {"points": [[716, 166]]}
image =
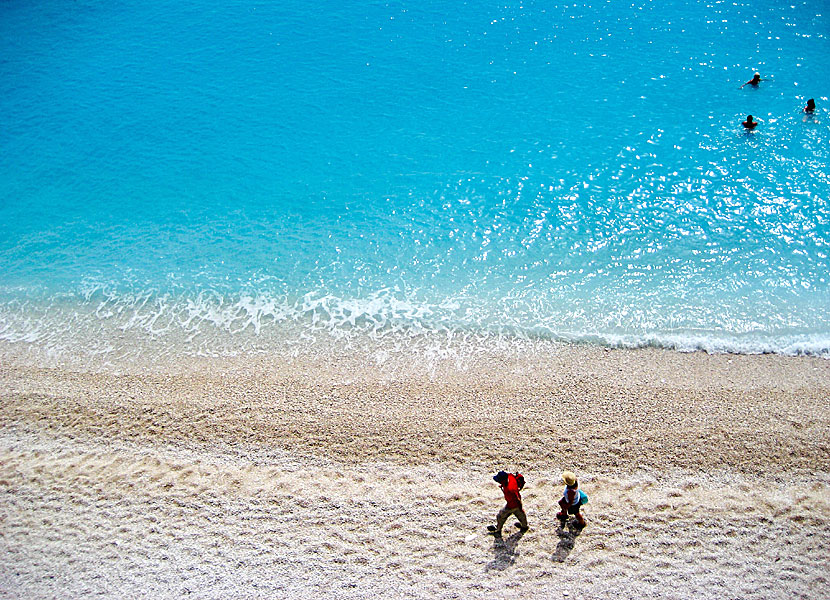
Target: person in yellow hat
{"points": [[571, 500]]}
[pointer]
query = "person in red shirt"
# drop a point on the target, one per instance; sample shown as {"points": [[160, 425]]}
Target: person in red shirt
{"points": [[510, 487]]}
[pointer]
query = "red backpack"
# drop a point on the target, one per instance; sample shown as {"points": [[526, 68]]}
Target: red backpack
{"points": [[520, 480]]}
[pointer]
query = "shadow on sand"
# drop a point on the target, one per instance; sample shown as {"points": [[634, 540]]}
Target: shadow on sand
{"points": [[567, 539], [505, 551]]}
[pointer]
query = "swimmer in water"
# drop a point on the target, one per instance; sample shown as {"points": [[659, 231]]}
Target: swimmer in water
{"points": [[749, 124], [756, 79], [809, 111]]}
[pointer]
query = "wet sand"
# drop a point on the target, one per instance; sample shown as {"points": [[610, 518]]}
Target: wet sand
{"points": [[340, 478]]}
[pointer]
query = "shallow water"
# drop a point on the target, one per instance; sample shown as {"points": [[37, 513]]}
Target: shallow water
{"points": [[209, 180]]}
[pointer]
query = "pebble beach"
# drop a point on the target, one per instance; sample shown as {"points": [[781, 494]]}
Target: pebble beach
{"points": [[283, 285], [336, 477]]}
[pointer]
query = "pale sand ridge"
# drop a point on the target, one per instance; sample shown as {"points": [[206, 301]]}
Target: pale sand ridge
{"points": [[331, 478]]}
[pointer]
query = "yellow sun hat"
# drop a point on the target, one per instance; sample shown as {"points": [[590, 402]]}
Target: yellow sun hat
{"points": [[569, 478]]}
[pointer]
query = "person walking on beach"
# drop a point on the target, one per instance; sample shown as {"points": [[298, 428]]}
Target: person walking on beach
{"points": [[571, 500], [510, 485]]}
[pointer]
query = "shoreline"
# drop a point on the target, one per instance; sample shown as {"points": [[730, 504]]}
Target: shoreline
{"points": [[360, 478], [84, 341]]}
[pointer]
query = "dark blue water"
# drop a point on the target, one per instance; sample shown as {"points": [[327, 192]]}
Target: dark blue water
{"points": [[198, 176]]}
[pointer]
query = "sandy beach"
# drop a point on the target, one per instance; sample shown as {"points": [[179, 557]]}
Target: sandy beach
{"points": [[708, 476]]}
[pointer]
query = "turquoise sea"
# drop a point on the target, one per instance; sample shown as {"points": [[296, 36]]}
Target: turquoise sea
{"points": [[211, 178]]}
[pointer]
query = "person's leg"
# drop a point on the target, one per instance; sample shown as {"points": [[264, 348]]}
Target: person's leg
{"points": [[522, 517], [502, 517], [562, 515], [574, 510]]}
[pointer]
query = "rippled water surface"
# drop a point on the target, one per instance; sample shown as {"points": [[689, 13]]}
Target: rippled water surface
{"points": [[207, 179]]}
